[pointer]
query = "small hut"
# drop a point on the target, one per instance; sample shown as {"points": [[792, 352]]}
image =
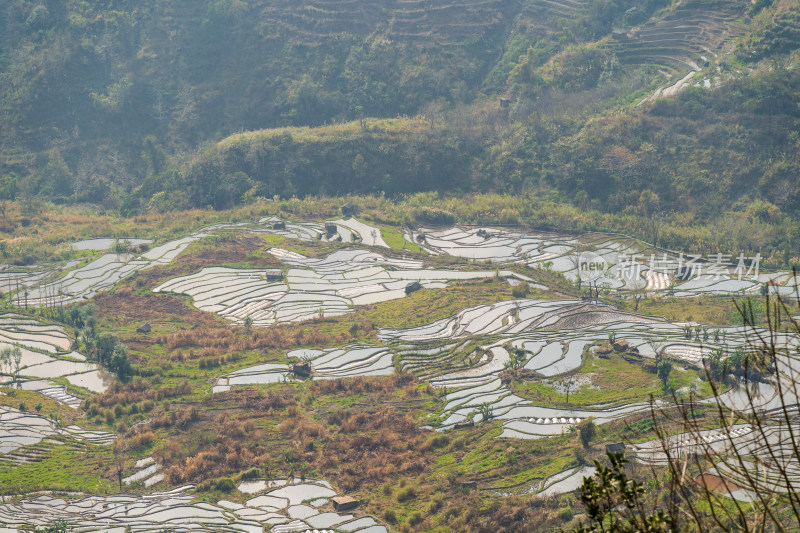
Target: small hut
{"points": [[348, 209], [274, 274], [279, 225], [621, 345], [469, 485], [468, 423], [143, 329], [302, 369], [344, 503], [616, 447], [331, 228], [414, 286], [421, 238], [505, 103]]}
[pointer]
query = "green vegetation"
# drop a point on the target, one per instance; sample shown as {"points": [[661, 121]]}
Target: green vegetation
{"points": [[573, 146], [614, 380], [153, 119]]}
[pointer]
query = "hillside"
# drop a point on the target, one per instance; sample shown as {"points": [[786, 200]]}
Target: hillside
{"points": [[123, 105]]}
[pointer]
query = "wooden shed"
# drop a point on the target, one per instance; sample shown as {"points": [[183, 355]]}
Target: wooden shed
{"points": [[274, 274], [348, 209], [468, 423], [344, 503], [143, 329], [279, 225], [331, 228]]}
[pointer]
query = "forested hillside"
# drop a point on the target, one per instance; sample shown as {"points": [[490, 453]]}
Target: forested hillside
{"points": [[158, 105]]}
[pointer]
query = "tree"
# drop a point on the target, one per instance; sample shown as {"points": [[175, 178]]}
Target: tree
{"points": [[5, 361], [663, 369], [120, 364], [728, 463], [648, 203], [517, 358], [586, 431], [8, 192], [120, 450], [486, 411], [359, 166], [248, 323], [614, 502], [569, 385], [16, 358], [106, 343]]}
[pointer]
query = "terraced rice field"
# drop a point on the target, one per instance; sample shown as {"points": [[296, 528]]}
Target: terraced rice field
{"points": [[331, 286], [349, 361], [463, 355], [296, 506], [553, 336], [626, 264], [46, 286], [454, 21], [147, 471], [767, 458], [29, 437], [685, 37], [46, 354], [450, 354]]}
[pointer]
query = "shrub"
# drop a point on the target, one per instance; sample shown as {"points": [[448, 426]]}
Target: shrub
{"points": [[390, 516], [253, 473], [225, 484], [520, 291], [406, 494], [433, 215], [587, 430]]}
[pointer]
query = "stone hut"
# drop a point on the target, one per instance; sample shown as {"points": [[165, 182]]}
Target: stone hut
{"points": [[344, 503]]}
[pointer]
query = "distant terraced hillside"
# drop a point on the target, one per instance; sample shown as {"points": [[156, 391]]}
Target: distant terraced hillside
{"points": [[101, 99], [685, 37], [451, 21]]}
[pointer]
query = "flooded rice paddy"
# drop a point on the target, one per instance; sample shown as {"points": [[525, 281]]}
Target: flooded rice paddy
{"points": [[295, 506], [312, 287]]}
